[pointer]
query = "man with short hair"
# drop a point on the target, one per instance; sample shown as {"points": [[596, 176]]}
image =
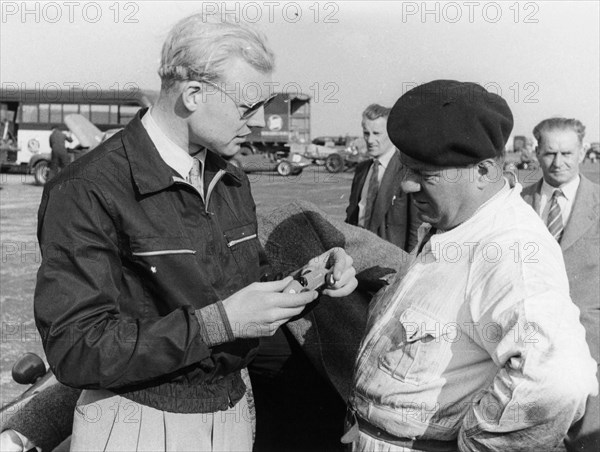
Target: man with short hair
{"points": [[148, 295], [377, 202], [569, 204], [476, 345]]}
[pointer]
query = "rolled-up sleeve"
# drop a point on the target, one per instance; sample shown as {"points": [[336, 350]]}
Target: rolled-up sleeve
{"points": [[88, 342]]}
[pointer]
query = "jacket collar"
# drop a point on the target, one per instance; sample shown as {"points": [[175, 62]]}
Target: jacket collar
{"points": [[532, 195], [149, 171]]}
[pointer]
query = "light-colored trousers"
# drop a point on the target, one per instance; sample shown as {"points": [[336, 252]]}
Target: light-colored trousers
{"points": [[105, 421]]}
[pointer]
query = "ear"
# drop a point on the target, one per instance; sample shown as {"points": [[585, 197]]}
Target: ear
{"points": [[191, 95], [487, 172]]}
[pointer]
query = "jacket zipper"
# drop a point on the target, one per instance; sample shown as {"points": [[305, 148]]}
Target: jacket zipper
{"points": [[163, 252], [243, 239], [211, 187]]}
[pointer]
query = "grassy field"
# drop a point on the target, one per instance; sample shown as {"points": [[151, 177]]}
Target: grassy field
{"points": [[19, 200]]}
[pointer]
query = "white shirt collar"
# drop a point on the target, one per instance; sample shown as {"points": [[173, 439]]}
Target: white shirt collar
{"points": [[384, 159], [484, 211], [569, 189], [173, 155]]}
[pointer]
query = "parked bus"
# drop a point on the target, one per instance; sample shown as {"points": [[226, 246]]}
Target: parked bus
{"points": [[287, 121], [30, 114]]}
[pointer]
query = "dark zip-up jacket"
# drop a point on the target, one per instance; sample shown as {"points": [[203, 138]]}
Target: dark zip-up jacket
{"points": [[131, 255]]}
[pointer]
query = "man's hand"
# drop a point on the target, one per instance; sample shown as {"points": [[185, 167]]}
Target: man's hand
{"points": [[344, 273], [260, 308]]}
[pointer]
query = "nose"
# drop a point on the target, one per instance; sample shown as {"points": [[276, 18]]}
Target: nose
{"points": [[410, 182], [257, 119], [557, 159]]}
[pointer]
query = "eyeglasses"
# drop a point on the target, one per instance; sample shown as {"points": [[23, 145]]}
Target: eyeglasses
{"points": [[250, 110]]}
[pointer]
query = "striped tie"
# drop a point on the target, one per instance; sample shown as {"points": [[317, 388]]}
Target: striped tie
{"points": [[555, 222]]}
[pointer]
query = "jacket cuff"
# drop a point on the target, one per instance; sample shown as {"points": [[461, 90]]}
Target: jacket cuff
{"points": [[215, 328]]}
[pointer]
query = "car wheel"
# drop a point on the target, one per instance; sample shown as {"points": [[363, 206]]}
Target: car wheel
{"points": [[284, 168], [247, 149], [334, 163], [40, 172]]}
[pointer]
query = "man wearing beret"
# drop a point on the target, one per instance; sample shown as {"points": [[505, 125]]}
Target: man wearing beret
{"points": [[476, 346], [377, 202], [569, 204]]}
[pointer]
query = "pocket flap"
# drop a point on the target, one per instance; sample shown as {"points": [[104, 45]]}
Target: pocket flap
{"points": [[150, 246], [240, 234], [420, 326]]}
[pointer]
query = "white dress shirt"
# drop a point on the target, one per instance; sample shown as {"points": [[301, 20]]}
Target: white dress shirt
{"points": [[481, 318], [175, 156]]}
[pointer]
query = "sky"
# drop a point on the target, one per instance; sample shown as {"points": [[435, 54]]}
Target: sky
{"points": [[542, 57]]}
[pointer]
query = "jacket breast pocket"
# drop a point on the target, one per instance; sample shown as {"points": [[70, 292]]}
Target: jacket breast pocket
{"points": [[160, 246], [398, 210], [243, 243], [162, 256], [159, 268], [413, 355]]}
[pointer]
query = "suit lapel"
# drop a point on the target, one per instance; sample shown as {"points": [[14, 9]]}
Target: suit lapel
{"points": [[387, 189], [535, 199], [361, 177], [583, 215]]}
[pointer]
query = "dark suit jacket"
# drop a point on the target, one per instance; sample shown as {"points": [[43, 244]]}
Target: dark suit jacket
{"points": [[394, 215], [580, 245]]}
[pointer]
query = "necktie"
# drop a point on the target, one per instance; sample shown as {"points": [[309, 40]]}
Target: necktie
{"points": [[555, 222], [372, 192], [195, 177]]}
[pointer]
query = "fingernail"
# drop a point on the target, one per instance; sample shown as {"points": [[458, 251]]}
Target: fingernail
{"points": [[330, 280]]}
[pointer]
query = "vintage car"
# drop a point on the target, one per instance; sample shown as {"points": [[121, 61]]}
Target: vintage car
{"points": [[337, 154], [289, 165], [523, 159], [593, 152], [87, 136]]}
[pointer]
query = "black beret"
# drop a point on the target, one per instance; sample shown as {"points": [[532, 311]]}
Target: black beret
{"points": [[450, 124]]}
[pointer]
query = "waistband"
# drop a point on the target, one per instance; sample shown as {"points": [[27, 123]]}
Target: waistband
{"points": [[356, 424], [184, 397]]}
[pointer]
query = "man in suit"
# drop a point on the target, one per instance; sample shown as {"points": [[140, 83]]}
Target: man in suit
{"points": [[377, 202], [572, 215]]}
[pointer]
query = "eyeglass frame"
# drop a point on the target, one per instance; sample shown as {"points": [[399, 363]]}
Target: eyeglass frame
{"points": [[250, 109]]}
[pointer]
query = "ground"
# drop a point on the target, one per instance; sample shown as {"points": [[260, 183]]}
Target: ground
{"points": [[20, 257]]}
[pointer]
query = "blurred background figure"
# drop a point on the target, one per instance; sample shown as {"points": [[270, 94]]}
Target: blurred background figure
{"points": [[377, 202], [59, 155]]}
